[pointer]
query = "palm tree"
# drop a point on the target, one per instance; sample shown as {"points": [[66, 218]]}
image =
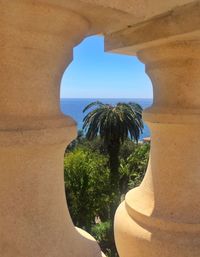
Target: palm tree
{"points": [[114, 124]]}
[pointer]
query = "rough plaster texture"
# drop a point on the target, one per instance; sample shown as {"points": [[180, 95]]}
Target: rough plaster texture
{"points": [[168, 27], [108, 16], [140, 9]]}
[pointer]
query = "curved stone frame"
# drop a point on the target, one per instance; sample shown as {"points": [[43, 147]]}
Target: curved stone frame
{"points": [[36, 45]]}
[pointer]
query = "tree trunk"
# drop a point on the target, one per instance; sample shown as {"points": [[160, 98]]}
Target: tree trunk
{"points": [[113, 151]]}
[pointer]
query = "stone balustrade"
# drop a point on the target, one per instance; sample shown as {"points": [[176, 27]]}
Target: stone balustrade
{"points": [[161, 217], [36, 45]]}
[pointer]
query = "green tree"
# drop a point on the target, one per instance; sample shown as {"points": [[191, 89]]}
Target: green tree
{"points": [[133, 168], [113, 124], [76, 142], [87, 186], [127, 148]]}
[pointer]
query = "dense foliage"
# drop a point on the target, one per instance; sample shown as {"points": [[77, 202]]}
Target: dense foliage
{"points": [[87, 184], [113, 124], [133, 167], [101, 166]]}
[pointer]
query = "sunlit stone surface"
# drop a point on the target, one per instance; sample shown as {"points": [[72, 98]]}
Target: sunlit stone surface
{"points": [[161, 217]]}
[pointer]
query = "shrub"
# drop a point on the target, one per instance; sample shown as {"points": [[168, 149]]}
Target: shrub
{"points": [[134, 167], [87, 187], [103, 233]]}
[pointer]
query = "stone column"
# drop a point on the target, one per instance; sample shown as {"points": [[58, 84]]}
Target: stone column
{"points": [[36, 44], [162, 216]]}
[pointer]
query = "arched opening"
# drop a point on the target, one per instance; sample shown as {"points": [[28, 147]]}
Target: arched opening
{"points": [[110, 78], [97, 75]]}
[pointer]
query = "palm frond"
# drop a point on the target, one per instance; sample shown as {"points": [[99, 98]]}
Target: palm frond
{"points": [[96, 103], [113, 123]]}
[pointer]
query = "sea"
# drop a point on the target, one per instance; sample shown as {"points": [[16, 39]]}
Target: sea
{"points": [[74, 108]]}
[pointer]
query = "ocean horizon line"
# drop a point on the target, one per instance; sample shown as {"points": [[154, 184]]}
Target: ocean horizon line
{"points": [[74, 107], [63, 98]]}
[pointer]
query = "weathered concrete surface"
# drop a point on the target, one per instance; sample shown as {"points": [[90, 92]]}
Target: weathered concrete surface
{"points": [[140, 9], [109, 16], [170, 26]]}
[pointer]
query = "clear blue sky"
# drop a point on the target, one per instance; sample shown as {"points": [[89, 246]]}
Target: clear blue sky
{"points": [[96, 74]]}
